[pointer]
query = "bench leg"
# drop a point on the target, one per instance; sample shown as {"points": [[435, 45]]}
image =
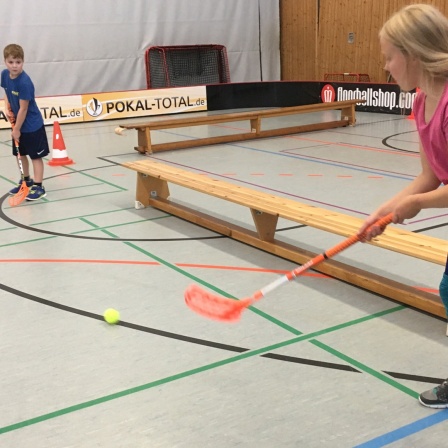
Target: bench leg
{"points": [[144, 141], [265, 224], [255, 125], [348, 113], [149, 187]]}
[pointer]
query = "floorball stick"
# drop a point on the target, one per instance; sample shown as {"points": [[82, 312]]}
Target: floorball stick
{"points": [[20, 196], [229, 310]]}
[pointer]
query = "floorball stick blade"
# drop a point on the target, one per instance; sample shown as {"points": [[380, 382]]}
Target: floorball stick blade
{"points": [[20, 196], [214, 307]]}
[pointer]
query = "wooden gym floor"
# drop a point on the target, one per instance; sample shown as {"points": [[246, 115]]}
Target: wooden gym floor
{"points": [[323, 364]]}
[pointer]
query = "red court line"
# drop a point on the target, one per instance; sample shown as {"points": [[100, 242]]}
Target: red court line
{"points": [[431, 290], [48, 260], [150, 263], [236, 268], [184, 265], [347, 145]]}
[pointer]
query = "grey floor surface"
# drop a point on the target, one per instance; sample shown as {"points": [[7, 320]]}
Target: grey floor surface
{"points": [[318, 363]]}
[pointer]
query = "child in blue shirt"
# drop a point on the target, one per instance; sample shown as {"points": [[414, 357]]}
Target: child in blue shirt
{"points": [[29, 129]]}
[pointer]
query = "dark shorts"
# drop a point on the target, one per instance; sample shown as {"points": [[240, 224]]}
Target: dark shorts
{"points": [[33, 144]]}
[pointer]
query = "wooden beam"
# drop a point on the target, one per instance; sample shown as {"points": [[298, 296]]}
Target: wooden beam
{"points": [[396, 239], [145, 145]]}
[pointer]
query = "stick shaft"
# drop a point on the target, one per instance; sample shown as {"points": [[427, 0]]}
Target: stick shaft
{"points": [[383, 222]]}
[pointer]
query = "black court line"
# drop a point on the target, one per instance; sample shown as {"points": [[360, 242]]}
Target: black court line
{"points": [[9, 220], [385, 143], [207, 343], [184, 338], [425, 229]]}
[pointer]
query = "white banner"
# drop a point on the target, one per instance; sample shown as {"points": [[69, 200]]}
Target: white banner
{"points": [[116, 105], [140, 103]]}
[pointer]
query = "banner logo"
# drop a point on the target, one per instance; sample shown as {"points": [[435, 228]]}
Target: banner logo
{"points": [[94, 107], [328, 94]]}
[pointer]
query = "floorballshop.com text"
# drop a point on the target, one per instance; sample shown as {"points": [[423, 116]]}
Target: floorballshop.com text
{"points": [[378, 97]]}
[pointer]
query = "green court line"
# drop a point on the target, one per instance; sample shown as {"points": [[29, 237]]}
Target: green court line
{"points": [[116, 225], [212, 287], [78, 187], [360, 366], [366, 369], [8, 180], [9, 228], [96, 178], [78, 231], [187, 373], [54, 201], [251, 353], [27, 241], [197, 280], [252, 308], [99, 181], [83, 216], [89, 215]]}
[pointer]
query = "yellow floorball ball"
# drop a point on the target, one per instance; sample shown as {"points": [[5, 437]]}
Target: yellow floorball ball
{"points": [[111, 316]]}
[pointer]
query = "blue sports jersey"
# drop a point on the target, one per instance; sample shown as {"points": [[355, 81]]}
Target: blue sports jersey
{"points": [[22, 88]]}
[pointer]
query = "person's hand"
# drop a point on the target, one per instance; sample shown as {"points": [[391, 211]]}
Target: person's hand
{"points": [[406, 209], [15, 134], [10, 116], [369, 230]]}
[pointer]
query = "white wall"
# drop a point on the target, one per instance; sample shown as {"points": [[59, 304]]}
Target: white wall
{"points": [[85, 46]]}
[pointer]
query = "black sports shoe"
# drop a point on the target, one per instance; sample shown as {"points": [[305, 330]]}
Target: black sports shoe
{"points": [[436, 398]]}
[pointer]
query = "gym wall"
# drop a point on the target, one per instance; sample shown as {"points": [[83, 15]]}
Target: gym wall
{"points": [[315, 36], [85, 46]]}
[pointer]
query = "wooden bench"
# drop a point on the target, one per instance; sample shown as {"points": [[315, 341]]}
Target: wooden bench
{"points": [[145, 146], [153, 190]]}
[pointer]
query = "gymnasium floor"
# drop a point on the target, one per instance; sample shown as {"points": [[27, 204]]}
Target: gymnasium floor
{"points": [[324, 364]]}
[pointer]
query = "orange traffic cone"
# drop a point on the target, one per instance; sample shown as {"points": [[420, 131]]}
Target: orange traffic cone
{"points": [[59, 152]]}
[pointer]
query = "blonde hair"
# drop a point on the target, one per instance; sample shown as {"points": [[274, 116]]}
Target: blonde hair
{"points": [[14, 51], [420, 31]]}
